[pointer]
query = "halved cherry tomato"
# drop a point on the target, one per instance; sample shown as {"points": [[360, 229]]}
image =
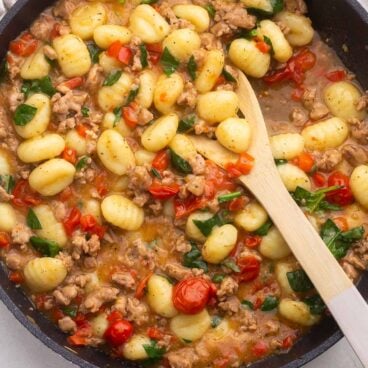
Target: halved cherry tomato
{"points": [[190, 296], [114, 49], [25, 45], [72, 83], [237, 204], [114, 316], [100, 184], [125, 55], [130, 115], [119, 332], [319, 179], [82, 130], [288, 342], [89, 224], [4, 240], [260, 348], [154, 47], [70, 154], [252, 241], [242, 167], [72, 221], [263, 47], [184, 207], [154, 333], [304, 161], [160, 191], [336, 75], [142, 285], [161, 161], [23, 196], [342, 223], [342, 196], [16, 277], [84, 331], [250, 267], [216, 179]]}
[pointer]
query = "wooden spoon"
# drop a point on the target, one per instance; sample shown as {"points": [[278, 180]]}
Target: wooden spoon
{"points": [[340, 295]]}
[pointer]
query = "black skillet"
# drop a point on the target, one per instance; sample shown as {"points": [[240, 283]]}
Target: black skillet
{"points": [[339, 22]]}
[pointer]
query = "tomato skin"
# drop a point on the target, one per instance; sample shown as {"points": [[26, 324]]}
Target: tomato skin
{"points": [[70, 155], [82, 130], [342, 196], [72, 221], [118, 332], [260, 348], [252, 241], [16, 277], [319, 179], [100, 184], [185, 207], [24, 46], [72, 83], [154, 333], [304, 161], [55, 32], [114, 49], [155, 51], [4, 240], [190, 296], [161, 161], [250, 268], [342, 223], [263, 47], [336, 75], [243, 166], [23, 195], [142, 286], [130, 115], [288, 342], [125, 55], [160, 191], [89, 224], [237, 204]]}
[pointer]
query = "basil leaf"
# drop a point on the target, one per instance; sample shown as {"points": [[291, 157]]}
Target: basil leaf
{"points": [[215, 321], [299, 281], [3, 70], [231, 265], [82, 163], [264, 229], [179, 163], [71, 311], [228, 76], [46, 247], [339, 242], [112, 78], [143, 56], [43, 85], [228, 197], [117, 112], [186, 124], [248, 304], [132, 95], [270, 303], [24, 114], [207, 226], [277, 5], [154, 352], [169, 62], [249, 35], [218, 278], [94, 52], [7, 182], [32, 220], [156, 173], [279, 162], [316, 304], [193, 259], [192, 68], [85, 111], [269, 43], [211, 10]]}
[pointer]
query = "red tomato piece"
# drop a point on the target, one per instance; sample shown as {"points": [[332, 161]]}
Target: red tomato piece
{"points": [[190, 296], [142, 286], [16, 277], [114, 316], [114, 49], [154, 47], [154, 333], [57, 314], [185, 207], [24, 46], [55, 32], [82, 130], [160, 191], [319, 179], [24, 196], [288, 342], [72, 83], [130, 115], [250, 267], [66, 194], [304, 161], [237, 204], [263, 47], [242, 167], [341, 223], [72, 221], [336, 75], [125, 55], [161, 161], [89, 224], [342, 196], [118, 332], [260, 348], [220, 80], [252, 241], [70, 154], [100, 184], [4, 240]]}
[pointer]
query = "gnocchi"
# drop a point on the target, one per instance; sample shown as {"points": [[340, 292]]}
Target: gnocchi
{"points": [[252, 217], [194, 14], [273, 245], [287, 146], [297, 312]]}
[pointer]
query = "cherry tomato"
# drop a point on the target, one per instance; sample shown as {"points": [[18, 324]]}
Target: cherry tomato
{"points": [[114, 316], [66, 194], [342, 196], [250, 267], [288, 342], [114, 49], [4, 240], [119, 332], [237, 204], [260, 348], [80, 338], [142, 286], [304, 161], [130, 115], [89, 224], [154, 333], [319, 179], [342, 223], [82, 130], [125, 55], [72, 83], [242, 167], [70, 154], [263, 47], [154, 47], [184, 207], [72, 221], [25, 45], [252, 241], [161, 161], [216, 179], [23, 196], [190, 296], [160, 191], [16, 277], [336, 75], [100, 184], [57, 314]]}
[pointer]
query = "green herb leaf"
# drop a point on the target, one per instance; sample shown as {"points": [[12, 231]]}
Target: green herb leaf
{"points": [[179, 163], [71, 311], [192, 68], [154, 352], [211, 10], [270, 303], [193, 259], [46, 247], [215, 321], [32, 220], [3, 70], [218, 278], [143, 56], [24, 114], [269, 43], [112, 78], [156, 173], [169, 62], [132, 95], [264, 229], [277, 5], [279, 162], [207, 226], [94, 52], [248, 304], [316, 304], [43, 85], [299, 281], [231, 265], [249, 35], [228, 197], [117, 112], [7, 182], [82, 163], [339, 242], [186, 124], [228, 76], [85, 111], [315, 201]]}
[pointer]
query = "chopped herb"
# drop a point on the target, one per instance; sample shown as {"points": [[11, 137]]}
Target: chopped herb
{"points": [[71, 311], [94, 52], [269, 43], [264, 229], [132, 95], [7, 182], [279, 162], [277, 6], [117, 112], [32, 220], [154, 352], [228, 76], [193, 259], [46, 247], [299, 281], [316, 304], [231, 265], [218, 278], [43, 85], [339, 242], [215, 321], [143, 56], [270, 303], [179, 163], [228, 197], [156, 173], [315, 201], [249, 35], [24, 114], [85, 111], [248, 304], [3, 70], [186, 124], [192, 68], [112, 78], [207, 226], [211, 10], [82, 163], [169, 62]]}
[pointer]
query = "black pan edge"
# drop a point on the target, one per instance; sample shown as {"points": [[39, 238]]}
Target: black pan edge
{"points": [[339, 22]]}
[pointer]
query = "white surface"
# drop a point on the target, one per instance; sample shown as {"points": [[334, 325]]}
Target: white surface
{"points": [[19, 349]]}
